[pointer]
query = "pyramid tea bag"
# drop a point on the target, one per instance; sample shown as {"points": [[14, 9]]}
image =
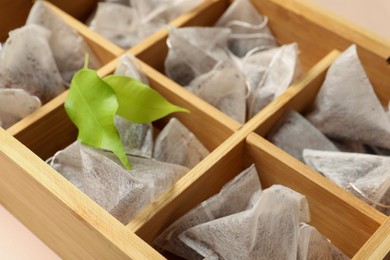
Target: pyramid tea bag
{"points": [[294, 133], [229, 200], [268, 230], [28, 63], [362, 174], [346, 106], [191, 53], [122, 193], [312, 245], [275, 78], [137, 139], [66, 44], [224, 88], [16, 104], [128, 66], [117, 23], [176, 144], [249, 28]]}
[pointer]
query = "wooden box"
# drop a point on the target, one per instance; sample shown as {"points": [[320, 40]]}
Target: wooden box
{"points": [[76, 227]]}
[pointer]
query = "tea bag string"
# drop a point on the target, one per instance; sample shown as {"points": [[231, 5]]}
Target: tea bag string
{"points": [[367, 198]]}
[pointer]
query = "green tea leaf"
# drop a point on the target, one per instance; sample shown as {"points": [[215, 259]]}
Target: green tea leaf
{"points": [[91, 104], [138, 102]]}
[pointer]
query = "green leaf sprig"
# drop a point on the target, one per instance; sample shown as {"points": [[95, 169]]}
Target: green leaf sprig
{"points": [[93, 102]]}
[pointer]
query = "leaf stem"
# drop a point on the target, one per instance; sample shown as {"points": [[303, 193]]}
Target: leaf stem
{"points": [[86, 60]]}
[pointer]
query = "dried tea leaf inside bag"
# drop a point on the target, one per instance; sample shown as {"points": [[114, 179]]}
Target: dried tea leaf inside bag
{"points": [[229, 200], [362, 174], [295, 133], [137, 139], [16, 104], [176, 144], [268, 230], [67, 45], [191, 53], [313, 246], [128, 66], [249, 28], [122, 193], [224, 87], [275, 75], [346, 106], [28, 63], [117, 23]]}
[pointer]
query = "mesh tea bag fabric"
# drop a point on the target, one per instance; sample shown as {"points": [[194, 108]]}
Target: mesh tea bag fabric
{"points": [[123, 193], [191, 53], [176, 144], [28, 63], [362, 174], [313, 246], [224, 87], [346, 106], [228, 201], [137, 139], [66, 44], [275, 78], [15, 104], [268, 230], [128, 66], [295, 133], [117, 23], [249, 28]]}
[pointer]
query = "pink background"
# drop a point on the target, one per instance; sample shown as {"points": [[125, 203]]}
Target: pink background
{"points": [[17, 242]]}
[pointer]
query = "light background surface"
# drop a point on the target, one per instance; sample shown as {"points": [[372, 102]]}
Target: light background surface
{"points": [[17, 242]]}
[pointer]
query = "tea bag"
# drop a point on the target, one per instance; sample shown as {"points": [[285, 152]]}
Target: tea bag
{"points": [[313, 246], [249, 28], [224, 88], [155, 14], [137, 139], [191, 53], [117, 23], [362, 174], [16, 104], [67, 45], [68, 163], [268, 230], [176, 144], [294, 134], [346, 106], [229, 200], [123, 193], [128, 66], [348, 146], [27, 63], [275, 78]]}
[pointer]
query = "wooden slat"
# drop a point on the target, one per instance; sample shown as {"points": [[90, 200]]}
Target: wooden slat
{"points": [[13, 14], [81, 9], [153, 49], [318, 32], [58, 213], [103, 48], [347, 221], [378, 246]]}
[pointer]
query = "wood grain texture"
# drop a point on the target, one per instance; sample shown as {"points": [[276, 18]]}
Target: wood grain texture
{"points": [[103, 48], [378, 246], [153, 49], [347, 221], [58, 213], [318, 32], [80, 9]]}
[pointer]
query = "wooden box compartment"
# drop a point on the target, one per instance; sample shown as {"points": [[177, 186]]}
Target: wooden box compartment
{"points": [[76, 227]]}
